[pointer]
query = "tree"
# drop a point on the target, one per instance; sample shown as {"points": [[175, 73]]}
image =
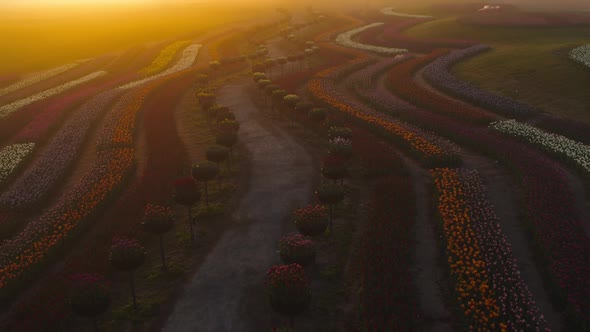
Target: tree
{"points": [[269, 89], [303, 107], [89, 295], [158, 220], [282, 62], [187, 193], [127, 255], [269, 63], [277, 97], [217, 154], [257, 76], [205, 171], [291, 100], [330, 194]]}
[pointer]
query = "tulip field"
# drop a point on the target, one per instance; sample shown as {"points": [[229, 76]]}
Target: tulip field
{"points": [[455, 206]]}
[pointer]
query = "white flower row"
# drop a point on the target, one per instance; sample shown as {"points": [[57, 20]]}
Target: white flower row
{"points": [[390, 11], [581, 54], [345, 39], [188, 58], [38, 77], [10, 108], [573, 151], [11, 156]]}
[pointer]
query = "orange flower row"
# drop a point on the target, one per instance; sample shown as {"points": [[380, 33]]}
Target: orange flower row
{"points": [[466, 262], [429, 149]]}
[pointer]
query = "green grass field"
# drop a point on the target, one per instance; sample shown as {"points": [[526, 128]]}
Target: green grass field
{"points": [[528, 64]]}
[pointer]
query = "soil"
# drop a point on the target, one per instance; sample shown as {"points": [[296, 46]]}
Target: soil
{"points": [[223, 295]]}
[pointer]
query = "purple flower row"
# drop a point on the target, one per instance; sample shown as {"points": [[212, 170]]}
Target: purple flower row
{"points": [[437, 73], [49, 168], [516, 304], [364, 82]]}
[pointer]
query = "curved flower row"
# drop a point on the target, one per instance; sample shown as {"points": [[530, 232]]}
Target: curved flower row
{"points": [[50, 115], [60, 153], [40, 237], [390, 11], [428, 147], [36, 78], [550, 204], [581, 54], [6, 110], [11, 157], [574, 152], [364, 84], [113, 164], [437, 73], [344, 39], [164, 58], [188, 57], [490, 290], [392, 34], [401, 80]]}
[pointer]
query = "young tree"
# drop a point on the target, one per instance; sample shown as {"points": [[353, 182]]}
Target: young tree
{"points": [[89, 296], [127, 255], [158, 220], [187, 193], [330, 194], [205, 171]]}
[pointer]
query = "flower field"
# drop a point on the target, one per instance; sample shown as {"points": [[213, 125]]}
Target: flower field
{"points": [[345, 39], [11, 157], [391, 11], [439, 205], [35, 78], [437, 73], [572, 151], [490, 291], [581, 54], [164, 58], [6, 110], [430, 148]]}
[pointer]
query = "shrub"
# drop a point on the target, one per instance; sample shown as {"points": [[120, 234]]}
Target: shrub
{"points": [[342, 132], [288, 289], [311, 220], [297, 248]]}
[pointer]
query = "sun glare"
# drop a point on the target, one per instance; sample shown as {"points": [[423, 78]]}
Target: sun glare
{"points": [[46, 3]]}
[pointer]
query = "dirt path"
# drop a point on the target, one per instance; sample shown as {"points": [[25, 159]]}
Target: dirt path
{"points": [[430, 276], [224, 294]]}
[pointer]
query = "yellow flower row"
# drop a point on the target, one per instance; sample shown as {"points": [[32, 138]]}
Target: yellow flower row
{"points": [[164, 58]]}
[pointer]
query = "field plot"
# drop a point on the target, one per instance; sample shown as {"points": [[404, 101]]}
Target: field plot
{"points": [[419, 167]]}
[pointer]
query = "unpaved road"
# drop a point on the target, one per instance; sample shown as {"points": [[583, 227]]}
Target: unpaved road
{"points": [[224, 294]]}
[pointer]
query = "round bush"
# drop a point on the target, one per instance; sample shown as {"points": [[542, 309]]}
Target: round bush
{"points": [[289, 289], [157, 219], [297, 248], [342, 132], [330, 193], [217, 153], [186, 191], [205, 171], [341, 147], [89, 294], [318, 114], [126, 254], [334, 167], [226, 139], [311, 220]]}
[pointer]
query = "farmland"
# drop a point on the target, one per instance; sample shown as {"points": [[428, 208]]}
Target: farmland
{"points": [[364, 167]]}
